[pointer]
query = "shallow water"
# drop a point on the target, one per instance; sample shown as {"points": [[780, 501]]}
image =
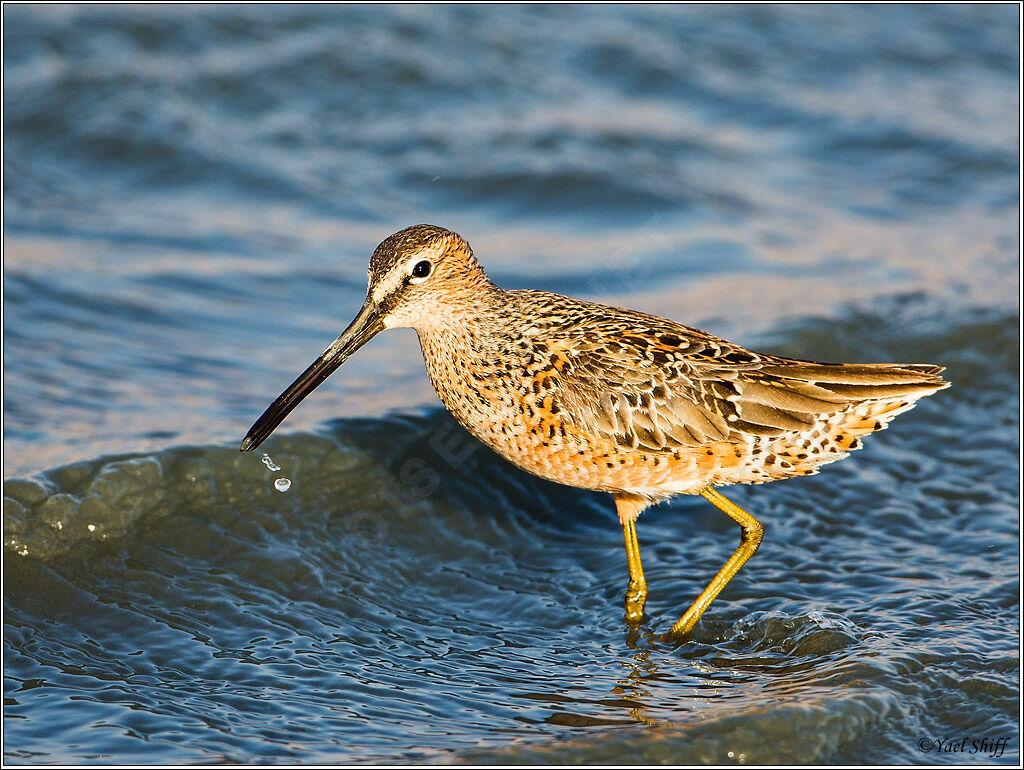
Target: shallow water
{"points": [[191, 198]]}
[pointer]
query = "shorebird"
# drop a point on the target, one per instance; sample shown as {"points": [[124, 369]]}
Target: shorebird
{"points": [[610, 399]]}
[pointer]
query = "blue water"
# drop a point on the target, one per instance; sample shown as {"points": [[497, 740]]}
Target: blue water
{"points": [[191, 197]]}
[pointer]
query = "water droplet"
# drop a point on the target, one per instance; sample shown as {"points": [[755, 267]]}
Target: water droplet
{"points": [[282, 485], [270, 463]]}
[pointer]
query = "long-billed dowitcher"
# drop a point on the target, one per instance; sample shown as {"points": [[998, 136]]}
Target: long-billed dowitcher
{"points": [[609, 399]]}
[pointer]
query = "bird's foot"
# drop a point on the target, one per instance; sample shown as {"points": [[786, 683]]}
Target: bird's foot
{"points": [[636, 598], [683, 628]]}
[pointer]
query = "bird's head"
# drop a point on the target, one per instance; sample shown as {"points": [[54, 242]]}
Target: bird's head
{"points": [[420, 277]]}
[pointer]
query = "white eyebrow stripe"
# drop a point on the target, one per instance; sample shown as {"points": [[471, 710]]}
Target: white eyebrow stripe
{"points": [[397, 276], [388, 286]]}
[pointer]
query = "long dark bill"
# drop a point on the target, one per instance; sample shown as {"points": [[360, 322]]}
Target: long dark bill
{"points": [[359, 332]]}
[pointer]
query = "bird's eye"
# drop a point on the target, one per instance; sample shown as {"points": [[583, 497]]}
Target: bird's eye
{"points": [[420, 271]]}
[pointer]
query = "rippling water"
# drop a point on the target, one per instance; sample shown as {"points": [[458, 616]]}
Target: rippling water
{"points": [[191, 197]]}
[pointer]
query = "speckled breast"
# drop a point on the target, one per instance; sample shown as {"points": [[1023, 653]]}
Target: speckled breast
{"points": [[510, 396]]}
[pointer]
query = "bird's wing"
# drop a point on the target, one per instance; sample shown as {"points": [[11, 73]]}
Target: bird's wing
{"points": [[650, 383]]}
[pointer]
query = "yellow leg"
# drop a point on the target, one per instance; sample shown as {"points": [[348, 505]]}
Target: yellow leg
{"points": [[629, 507], [636, 594], [751, 533]]}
